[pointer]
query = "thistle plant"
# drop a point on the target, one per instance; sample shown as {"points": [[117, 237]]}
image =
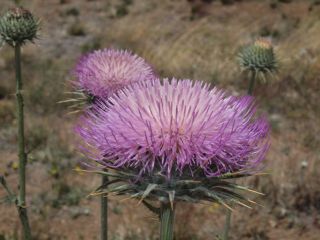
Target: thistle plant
{"points": [[102, 73], [17, 27], [99, 75], [259, 60], [171, 141]]}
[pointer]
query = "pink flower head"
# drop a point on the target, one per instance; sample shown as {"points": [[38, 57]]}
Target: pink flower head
{"points": [[103, 72], [175, 126]]}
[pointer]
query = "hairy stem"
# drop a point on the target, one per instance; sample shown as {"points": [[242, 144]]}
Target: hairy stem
{"points": [[104, 212], [21, 204], [166, 221]]}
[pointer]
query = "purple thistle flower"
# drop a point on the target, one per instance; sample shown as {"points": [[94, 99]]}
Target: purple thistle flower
{"points": [[176, 126], [103, 72]]}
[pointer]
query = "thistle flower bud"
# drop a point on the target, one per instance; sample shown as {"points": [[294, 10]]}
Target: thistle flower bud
{"points": [[258, 57], [17, 26]]}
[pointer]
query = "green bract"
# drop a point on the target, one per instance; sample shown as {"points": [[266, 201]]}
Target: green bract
{"points": [[18, 26], [79, 101], [159, 188], [258, 57]]}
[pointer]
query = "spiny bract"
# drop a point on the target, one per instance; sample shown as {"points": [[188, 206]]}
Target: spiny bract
{"points": [[17, 26], [258, 57]]}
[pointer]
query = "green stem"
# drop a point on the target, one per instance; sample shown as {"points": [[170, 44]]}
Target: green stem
{"points": [[166, 221], [251, 84], [229, 213], [227, 225], [104, 212], [21, 205]]}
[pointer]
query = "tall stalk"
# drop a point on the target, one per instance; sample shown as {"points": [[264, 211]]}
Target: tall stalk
{"points": [[21, 201], [229, 212], [104, 212], [252, 83], [166, 221], [227, 225]]}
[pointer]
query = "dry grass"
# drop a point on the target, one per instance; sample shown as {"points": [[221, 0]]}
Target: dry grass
{"points": [[203, 48]]}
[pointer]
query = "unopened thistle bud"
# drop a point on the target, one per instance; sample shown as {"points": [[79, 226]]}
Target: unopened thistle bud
{"points": [[258, 57], [17, 26]]}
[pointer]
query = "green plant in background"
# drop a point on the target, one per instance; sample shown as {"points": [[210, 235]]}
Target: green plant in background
{"points": [[259, 60], [17, 27]]}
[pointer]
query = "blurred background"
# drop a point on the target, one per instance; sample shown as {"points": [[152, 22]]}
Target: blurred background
{"points": [[196, 39]]}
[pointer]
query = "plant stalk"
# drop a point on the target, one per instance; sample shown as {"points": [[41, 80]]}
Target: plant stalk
{"points": [[166, 221], [252, 83], [21, 203], [227, 225], [229, 212], [104, 212]]}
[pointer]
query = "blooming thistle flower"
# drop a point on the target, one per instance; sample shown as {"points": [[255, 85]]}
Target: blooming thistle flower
{"points": [[164, 133], [259, 58], [17, 26], [99, 76], [103, 72]]}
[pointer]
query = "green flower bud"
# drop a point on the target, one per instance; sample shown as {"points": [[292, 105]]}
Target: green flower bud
{"points": [[17, 26], [258, 57]]}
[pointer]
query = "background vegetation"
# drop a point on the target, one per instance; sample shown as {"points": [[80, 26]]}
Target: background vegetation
{"points": [[195, 39]]}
